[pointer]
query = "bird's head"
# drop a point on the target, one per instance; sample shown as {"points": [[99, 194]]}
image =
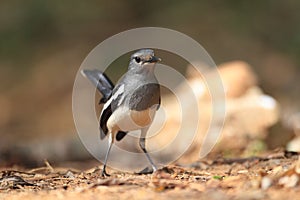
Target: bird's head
{"points": [[143, 58]]}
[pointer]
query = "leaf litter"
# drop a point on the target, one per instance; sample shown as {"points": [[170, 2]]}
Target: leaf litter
{"points": [[273, 176]]}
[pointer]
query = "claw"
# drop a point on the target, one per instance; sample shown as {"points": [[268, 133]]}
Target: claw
{"points": [[104, 173]]}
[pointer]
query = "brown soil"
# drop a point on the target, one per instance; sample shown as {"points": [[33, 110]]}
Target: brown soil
{"points": [[272, 176]]}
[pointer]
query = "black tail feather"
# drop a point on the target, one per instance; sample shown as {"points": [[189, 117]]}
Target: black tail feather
{"points": [[101, 82]]}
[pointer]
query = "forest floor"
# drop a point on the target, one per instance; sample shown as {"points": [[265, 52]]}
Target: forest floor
{"points": [[275, 175]]}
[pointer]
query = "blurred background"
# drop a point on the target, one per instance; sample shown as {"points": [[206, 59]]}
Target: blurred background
{"points": [[42, 45]]}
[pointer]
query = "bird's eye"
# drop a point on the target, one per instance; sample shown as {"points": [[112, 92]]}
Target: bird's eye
{"points": [[137, 59]]}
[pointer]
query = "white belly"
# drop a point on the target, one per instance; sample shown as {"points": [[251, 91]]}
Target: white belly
{"points": [[125, 120]]}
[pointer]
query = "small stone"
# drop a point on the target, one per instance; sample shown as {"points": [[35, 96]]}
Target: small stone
{"points": [[266, 182], [70, 174], [289, 181]]}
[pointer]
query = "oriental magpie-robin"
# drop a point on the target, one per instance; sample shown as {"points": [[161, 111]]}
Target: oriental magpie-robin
{"points": [[131, 104]]}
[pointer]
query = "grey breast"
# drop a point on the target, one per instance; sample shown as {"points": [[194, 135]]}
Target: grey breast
{"points": [[145, 96], [142, 90]]}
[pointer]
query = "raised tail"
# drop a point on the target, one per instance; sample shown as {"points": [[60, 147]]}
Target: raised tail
{"points": [[100, 81], [105, 87]]}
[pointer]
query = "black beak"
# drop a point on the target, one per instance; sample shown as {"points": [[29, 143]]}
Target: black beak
{"points": [[154, 59]]}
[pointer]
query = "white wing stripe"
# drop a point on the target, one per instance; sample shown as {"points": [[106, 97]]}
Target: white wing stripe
{"points": [[114, 96]]}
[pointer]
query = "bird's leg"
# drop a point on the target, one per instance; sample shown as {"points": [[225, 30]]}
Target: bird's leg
{"points": [[110, 142], [143, 147]]}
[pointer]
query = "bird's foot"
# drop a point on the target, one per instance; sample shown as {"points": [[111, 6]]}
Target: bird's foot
{"points": [[104, 174], [147, 170]]}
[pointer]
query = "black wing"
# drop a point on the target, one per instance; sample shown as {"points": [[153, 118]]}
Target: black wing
{"points": [[159, 102], [105, 115], [105, 87], [103, 121]]}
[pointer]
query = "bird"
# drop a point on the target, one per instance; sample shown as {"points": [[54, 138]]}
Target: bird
{"points": [[129, 105]]}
